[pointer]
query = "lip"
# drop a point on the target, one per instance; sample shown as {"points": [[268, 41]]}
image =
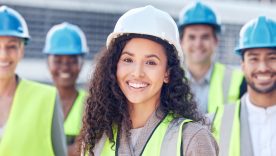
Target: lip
{"points": [[137, 85], [64, 75], [264, 78], [198, 53], [4, 64]]}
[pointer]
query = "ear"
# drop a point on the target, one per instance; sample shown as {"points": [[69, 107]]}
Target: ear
{"points": [[243, 66], [22, 50], [48, 61], [81, 61], [167, 75], [216, 40]]}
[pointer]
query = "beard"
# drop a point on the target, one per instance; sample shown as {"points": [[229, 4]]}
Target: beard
{"points": [[261, 90]]}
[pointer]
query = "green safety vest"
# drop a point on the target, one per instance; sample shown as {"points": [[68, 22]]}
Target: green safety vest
{"points": [[29, 126], [72, 123], [227, 129], [224, 86], [154, 143], [225, 82]]}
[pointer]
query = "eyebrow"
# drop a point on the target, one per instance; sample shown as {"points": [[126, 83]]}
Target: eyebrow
{"points": [[128, 53], [13, 41], [252, 53], [272, 52], [147, 56], [152, 55]]}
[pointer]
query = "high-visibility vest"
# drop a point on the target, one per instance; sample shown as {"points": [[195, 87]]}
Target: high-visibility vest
{"points": [[224, 86], [72, 123], [224, 89], [227, 129], [28, 128], [155, 144]]}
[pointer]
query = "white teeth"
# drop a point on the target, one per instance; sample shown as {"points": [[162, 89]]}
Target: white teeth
{"points": [[64, 75], [137, 85], [262, 77], [4, 64]]}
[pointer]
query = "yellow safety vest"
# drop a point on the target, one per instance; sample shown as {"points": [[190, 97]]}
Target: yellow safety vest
{"points": [[153, 146], [227, 129], [72, 123], [29, 126], [224, 82]]}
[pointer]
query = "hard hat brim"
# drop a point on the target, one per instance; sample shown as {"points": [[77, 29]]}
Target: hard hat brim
{"points": [[241, 50], [216, 27]]}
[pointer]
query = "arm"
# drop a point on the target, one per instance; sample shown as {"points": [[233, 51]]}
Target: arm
{"points": [[198, 141], [73, 149]]}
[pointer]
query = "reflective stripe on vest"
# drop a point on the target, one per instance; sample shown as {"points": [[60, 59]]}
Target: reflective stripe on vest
{"points": [[155, 143], [72, 123], [227, 129], [173, 138], [224, 86], [28, 129]]}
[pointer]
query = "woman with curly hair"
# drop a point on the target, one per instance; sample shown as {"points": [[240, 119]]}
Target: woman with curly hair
{"points": [[139, 100]]}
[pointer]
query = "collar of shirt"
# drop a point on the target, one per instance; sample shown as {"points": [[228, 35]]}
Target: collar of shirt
{"points": [[205, 79], [259, 114]]}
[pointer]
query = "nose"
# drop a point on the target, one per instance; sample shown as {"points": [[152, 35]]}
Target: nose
{"points": [[65, 65], [138, 70], [198, 42], [263, 66]]}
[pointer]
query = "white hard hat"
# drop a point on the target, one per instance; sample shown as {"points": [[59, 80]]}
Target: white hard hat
{"points": [[148, 21]]}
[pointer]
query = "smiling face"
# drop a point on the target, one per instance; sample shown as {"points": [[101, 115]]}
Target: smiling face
{"points": [[65, 69], [141, 71], [11, 52], [259, 67], [198, 43]]}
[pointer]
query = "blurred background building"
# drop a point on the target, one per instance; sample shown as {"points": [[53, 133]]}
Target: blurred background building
{"points": [[98, 17]]}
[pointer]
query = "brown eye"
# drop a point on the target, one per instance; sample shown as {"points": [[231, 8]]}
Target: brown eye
{"points": [[151, 63], [128, 60], [73, 61], [253, 59], [12, 47]]}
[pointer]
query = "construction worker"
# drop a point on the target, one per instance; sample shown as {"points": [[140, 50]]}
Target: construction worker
{"points": [[212, 83], [138, 102], [248, 128], [65, 46], [30, 119]]}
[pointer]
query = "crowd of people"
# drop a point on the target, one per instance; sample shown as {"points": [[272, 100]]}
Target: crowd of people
{"points": [[155, 90]]}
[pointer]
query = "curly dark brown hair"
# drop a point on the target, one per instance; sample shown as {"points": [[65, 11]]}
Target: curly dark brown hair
{"points": [[107, 105]]}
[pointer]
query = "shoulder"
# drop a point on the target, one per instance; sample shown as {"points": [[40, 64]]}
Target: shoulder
{"points": [[37, 86], [198, 140], [82, 93]]}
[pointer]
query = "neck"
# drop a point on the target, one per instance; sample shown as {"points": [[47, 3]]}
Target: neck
{"points": [[68, 96], [140, 113], [198, 71], [262, 100], [67, 92], [7, 87]]}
